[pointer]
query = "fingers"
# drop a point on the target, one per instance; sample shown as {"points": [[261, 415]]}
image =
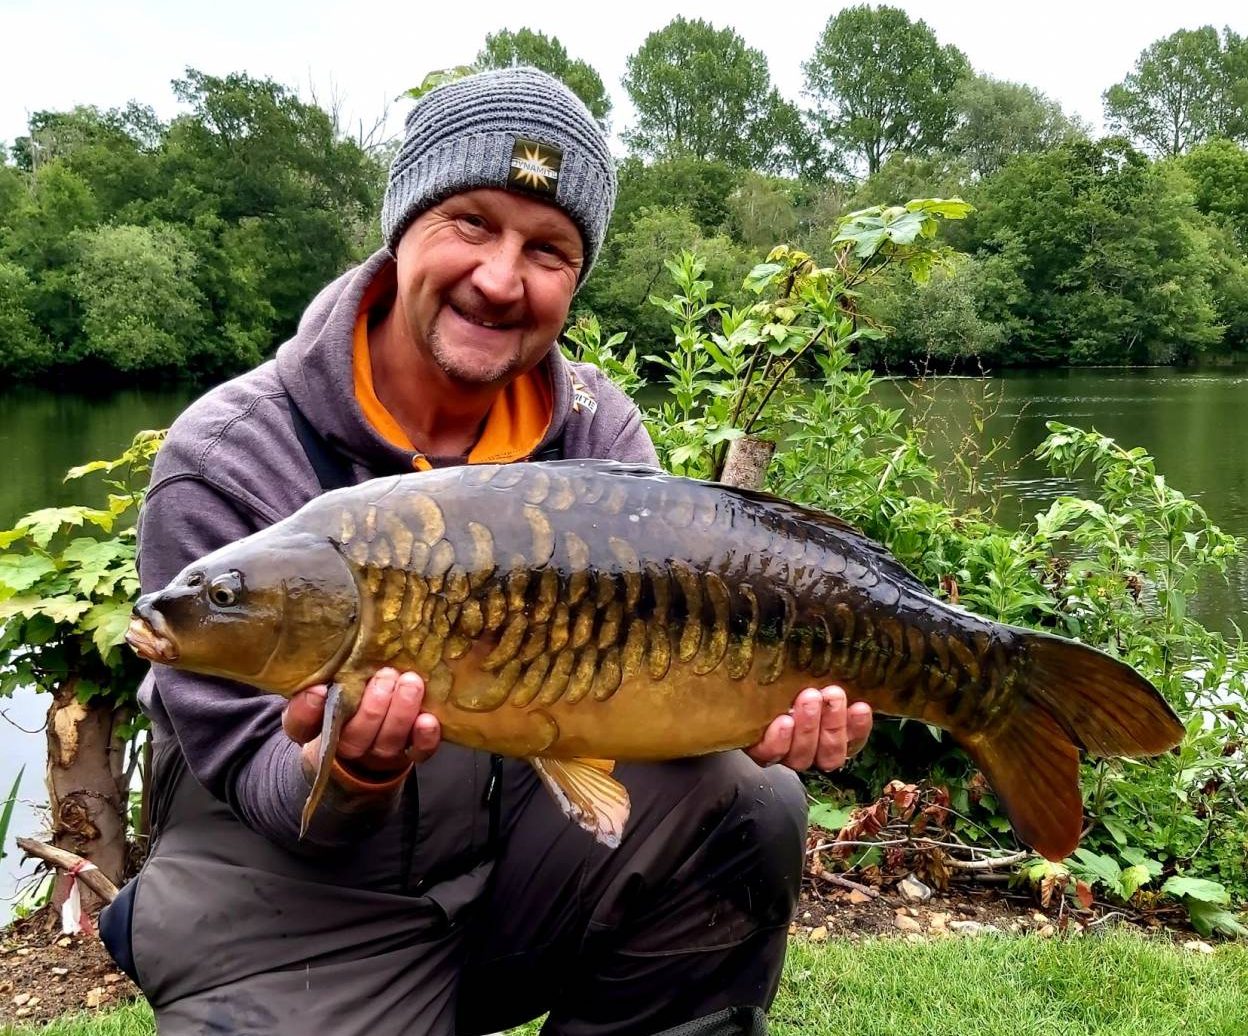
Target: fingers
{"points": [[361, 730], [858, 726], [833, 747], [820, 730], [774, 745], [302, 717], [388, 730]]}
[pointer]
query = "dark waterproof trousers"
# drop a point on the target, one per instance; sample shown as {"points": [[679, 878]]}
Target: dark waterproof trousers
{"points": [[685, 922]]}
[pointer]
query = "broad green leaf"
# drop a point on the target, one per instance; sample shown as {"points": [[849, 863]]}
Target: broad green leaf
{"points": [[1196, 888], [108, 623], [64, 609], [725, 433], [1102, 868], [1209, 918], [759, 278], [828, 817], [949, 208], [20, 572]]}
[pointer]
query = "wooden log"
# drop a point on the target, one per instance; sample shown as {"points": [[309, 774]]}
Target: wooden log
{"points": [[66, 861]]}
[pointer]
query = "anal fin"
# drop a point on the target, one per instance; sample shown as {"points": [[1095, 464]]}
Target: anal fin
{"points": [[587, 794], [331, 729]]}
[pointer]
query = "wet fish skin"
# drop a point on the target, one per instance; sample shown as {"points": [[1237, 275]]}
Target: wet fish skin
{"points": [[590, 610]]}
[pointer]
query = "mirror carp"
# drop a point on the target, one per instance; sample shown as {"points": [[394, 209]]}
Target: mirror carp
{"points": [[578, 612]]}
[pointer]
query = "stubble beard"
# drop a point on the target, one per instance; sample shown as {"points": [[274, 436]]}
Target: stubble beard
{"points": [[477, 375]]}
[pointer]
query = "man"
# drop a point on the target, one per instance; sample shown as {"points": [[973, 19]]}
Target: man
{"points": [[438, 890]]}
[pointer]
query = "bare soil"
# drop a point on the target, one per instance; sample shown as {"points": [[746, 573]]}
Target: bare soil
{"points": [[44, 974]]}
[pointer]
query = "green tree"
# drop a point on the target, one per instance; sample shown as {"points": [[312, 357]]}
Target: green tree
{"points": [[1218, 171], [277, 205], [24, 349], [39, 238], [702, 92], [141, 311], [883, 83], [504, 49], [114, 152], [634, 269], [996, 120], [1115, 259], [1185, 89], [701, 188]]}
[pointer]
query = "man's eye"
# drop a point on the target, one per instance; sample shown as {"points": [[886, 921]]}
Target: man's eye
{"points": [[548, 254]]}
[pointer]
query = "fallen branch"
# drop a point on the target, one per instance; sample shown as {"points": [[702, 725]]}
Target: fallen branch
{"points": [[987, 865], [837, 879], [71, 862]]}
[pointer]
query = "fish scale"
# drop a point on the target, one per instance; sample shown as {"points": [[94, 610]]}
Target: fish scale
{"points": [[579, 611]]}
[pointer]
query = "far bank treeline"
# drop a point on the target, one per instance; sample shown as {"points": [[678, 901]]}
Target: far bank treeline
{"points": [[134, 249]]}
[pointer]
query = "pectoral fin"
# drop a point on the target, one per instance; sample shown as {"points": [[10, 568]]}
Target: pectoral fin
{"points": [[331, 728], [587, 794]]}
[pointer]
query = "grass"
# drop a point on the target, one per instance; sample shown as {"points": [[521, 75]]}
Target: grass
{"points": [[1112, 985]]}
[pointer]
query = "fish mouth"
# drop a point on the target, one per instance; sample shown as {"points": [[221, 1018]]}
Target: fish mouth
{"points": [[149, 640]]}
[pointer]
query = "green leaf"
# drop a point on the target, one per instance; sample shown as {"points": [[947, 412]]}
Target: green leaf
{"points": [[1208, 918], [108, 622], [1116, 831], [1101, 868], [6, 814], [64, 609], [759, 278], [1132, 878], [949, 208], [829, 817], [1201, 889], [20, 572]]}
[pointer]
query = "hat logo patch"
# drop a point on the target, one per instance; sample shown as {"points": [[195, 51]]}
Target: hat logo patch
{"points": [[534, 166]]}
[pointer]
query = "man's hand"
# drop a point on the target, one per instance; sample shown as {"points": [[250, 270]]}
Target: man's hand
{"points": [[387, 733], [820, 730]]}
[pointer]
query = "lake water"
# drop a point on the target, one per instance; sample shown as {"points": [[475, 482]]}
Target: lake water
{"points": [[1194, 423]]}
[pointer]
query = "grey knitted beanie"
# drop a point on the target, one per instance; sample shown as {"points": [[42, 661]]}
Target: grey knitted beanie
{"points": [[518, 129]]}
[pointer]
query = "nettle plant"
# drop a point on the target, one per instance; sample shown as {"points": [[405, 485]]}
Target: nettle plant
{"points": [[67, 583]]}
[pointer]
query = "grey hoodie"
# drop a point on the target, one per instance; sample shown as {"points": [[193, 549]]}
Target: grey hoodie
{"points": [[232, 465]]}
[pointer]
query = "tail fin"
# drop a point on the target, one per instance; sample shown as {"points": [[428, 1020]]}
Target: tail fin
{"points": [[1105, 705], [1075, 697], [1034, 769]]}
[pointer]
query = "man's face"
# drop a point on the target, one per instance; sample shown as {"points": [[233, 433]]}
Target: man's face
{"points": [[485, 279]]}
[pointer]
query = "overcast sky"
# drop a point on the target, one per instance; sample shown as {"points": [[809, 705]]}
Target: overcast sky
{"points": [[58, 53]]}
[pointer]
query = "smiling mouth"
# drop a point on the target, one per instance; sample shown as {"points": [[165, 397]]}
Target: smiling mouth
{"points": [[489, 325]]}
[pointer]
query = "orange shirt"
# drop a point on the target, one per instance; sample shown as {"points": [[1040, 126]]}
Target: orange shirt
{"points": [[514, 427]]}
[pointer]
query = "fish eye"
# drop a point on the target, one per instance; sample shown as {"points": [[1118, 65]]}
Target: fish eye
{"points": [[225, 590]]}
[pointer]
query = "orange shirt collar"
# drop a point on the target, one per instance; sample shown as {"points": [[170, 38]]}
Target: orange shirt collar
{"points": [[514, 428]]}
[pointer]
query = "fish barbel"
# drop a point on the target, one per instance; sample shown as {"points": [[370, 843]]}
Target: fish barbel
{"points": [[579, 612]]}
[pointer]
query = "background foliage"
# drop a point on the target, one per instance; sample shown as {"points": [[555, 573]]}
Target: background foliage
{"points": [[133, 248]]}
